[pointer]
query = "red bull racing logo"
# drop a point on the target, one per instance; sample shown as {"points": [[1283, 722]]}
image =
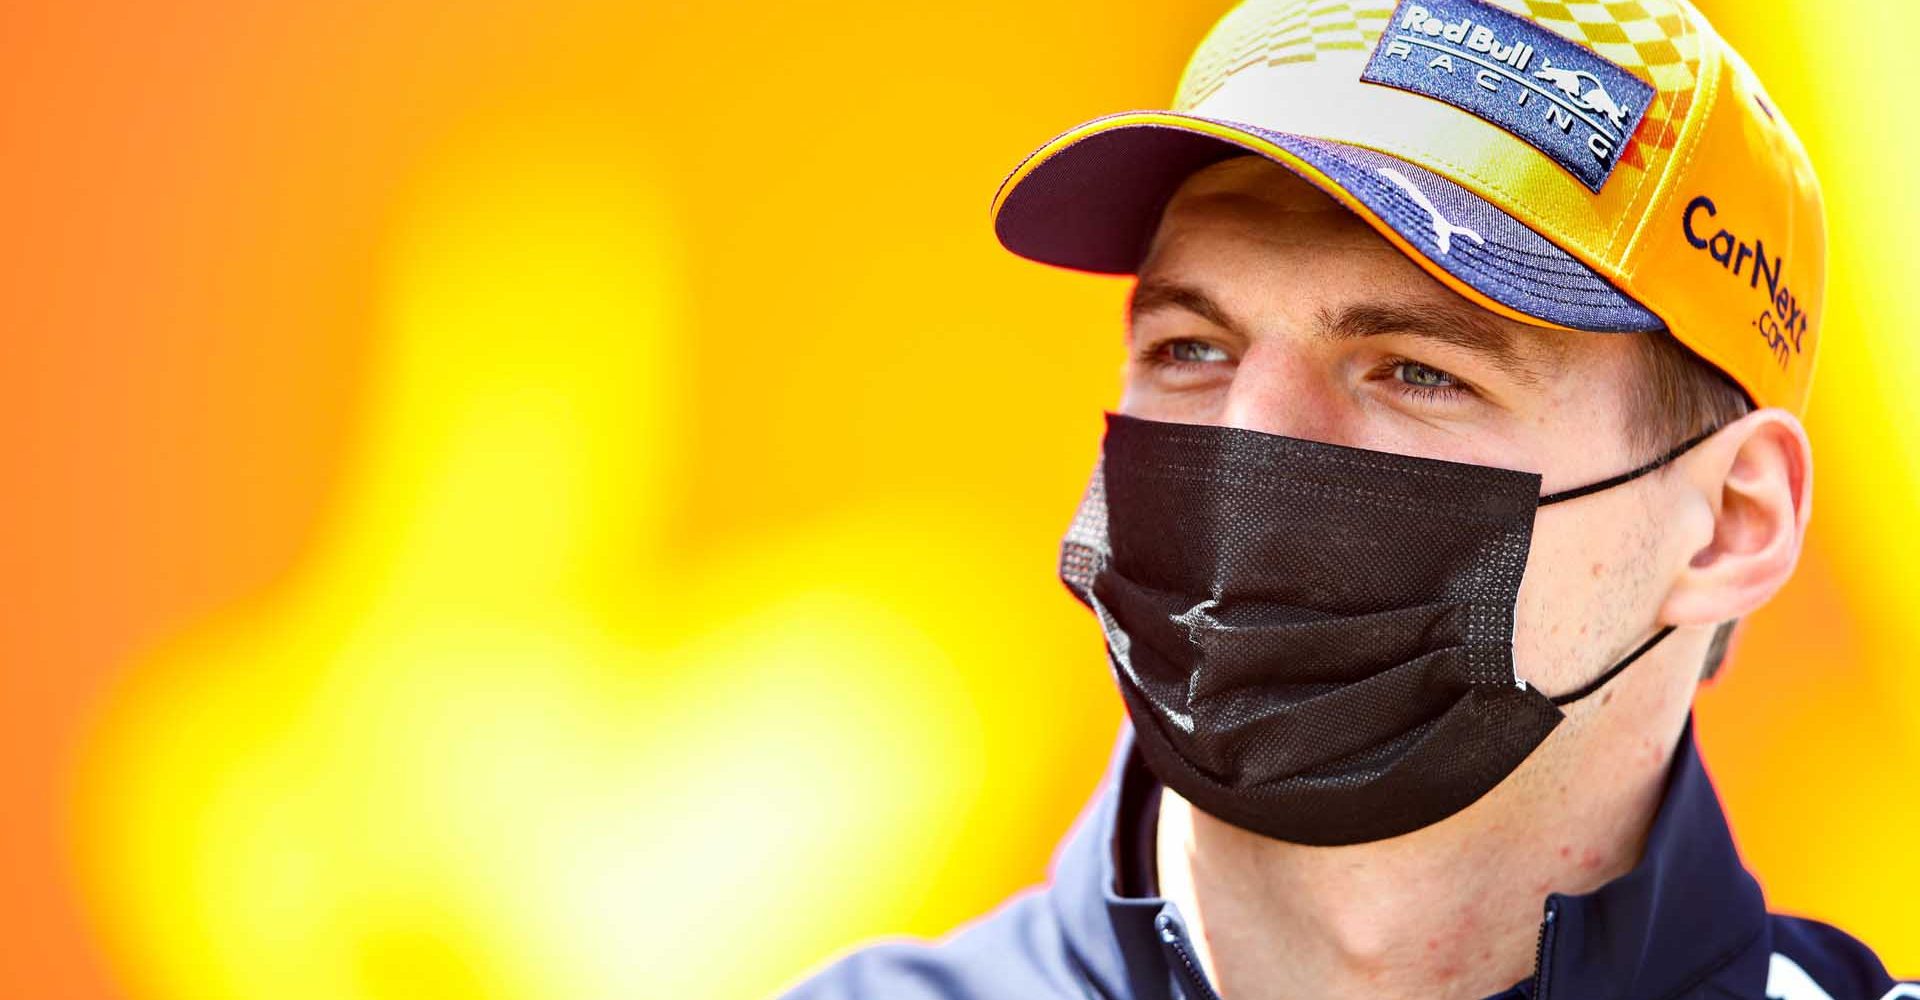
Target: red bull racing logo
{"points": [[1563, 99]]}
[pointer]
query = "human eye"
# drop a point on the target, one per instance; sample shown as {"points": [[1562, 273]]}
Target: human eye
{"points": [[1422, 382], [1181, 352]]}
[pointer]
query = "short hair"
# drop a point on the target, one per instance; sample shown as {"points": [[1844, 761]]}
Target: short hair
{"points": [[1676, 396]]}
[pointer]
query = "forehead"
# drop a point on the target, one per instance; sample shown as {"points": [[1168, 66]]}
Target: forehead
{"points": [[1265, 243], [1254, 202]]}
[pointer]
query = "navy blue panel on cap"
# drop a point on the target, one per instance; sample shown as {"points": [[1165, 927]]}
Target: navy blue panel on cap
{"points": [[1094, 206]]}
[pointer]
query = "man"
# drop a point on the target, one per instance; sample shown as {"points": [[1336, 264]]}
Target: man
{"points": [[1459, 427]]}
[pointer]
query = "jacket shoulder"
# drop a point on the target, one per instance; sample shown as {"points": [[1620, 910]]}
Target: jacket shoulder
{"points": [[1816, 961], [1016, 951]]}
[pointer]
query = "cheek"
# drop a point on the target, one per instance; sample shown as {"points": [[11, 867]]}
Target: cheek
{"points": [[1192, 397], [1190, 407], [1586, 588]]}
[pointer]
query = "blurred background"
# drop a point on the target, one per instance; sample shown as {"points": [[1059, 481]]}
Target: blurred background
{"points": [[550, 498]]}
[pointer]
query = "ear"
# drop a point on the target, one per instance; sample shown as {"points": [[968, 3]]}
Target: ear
{"points": [[1755, 476]]}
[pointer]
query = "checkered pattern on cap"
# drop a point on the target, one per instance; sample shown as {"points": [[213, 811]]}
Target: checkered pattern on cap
{"points": [[1275, 32], [1654, 40]]}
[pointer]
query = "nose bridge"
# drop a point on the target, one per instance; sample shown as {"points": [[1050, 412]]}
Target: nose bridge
{"points": [[1280, 391]]}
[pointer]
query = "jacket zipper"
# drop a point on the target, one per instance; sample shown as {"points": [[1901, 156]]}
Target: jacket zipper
{"points": [[1185, 962], [1540, 960]]}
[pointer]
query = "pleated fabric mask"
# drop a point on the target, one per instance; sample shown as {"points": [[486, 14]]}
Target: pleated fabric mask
{"points": [[1315, 642]]}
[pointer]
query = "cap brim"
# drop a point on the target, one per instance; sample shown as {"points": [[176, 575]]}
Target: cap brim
{"points": [[1091, 199]]}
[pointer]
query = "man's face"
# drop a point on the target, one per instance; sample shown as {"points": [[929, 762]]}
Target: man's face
{"points": [[1265, 305]]}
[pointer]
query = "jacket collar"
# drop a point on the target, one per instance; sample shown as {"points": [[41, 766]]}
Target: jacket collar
{"points": [[1683, 913], [1112, 935], [1688, 909]]}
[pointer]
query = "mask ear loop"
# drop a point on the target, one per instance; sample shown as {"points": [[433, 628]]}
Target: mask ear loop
{"points": [[1580, 491], [1629, 476], [1614, 671]]}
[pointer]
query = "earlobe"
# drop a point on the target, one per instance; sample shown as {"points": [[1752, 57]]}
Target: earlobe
{"points": [[1756, 477]]}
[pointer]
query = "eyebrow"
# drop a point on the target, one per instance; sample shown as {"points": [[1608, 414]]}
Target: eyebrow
{"points": [[1158, 294], [1458, 324]]}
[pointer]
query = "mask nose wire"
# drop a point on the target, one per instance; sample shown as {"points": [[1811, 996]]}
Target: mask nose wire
{"points": [[1630, 475]]}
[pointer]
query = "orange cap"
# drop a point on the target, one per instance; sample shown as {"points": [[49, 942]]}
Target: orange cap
{"points": [[1598, 166]]}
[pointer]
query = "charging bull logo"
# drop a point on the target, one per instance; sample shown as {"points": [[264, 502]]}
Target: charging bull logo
{"points": [[1575, 83], [1561, 98]]}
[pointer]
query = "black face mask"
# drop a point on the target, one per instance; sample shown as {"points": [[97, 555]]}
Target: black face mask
{"points": [[1314, 642]]}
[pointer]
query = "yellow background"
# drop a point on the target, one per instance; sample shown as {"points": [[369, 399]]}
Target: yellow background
{"points": [[559, 499]]}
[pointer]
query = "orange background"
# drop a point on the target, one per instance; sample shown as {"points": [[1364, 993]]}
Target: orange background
{"points": [[558, 499]]}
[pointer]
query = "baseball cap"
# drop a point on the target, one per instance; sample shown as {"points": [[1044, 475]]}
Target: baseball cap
{"points": [[1596, 166]]}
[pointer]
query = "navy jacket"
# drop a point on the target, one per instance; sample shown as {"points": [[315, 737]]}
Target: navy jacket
{"points": [[1688, 921]]}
